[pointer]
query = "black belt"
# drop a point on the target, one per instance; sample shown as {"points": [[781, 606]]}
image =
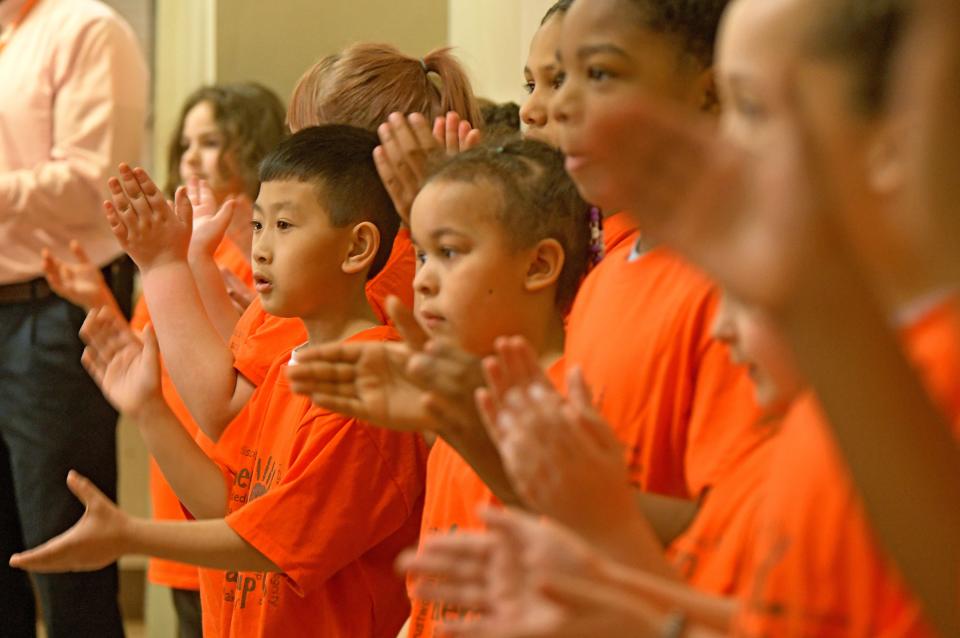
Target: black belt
{"points": [[37, 289]]}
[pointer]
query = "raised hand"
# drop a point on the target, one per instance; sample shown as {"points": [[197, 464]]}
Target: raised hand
{"points": [[365, 380], [406, 146], [95, 541], [151, 231], [81, 283], [126, 368]]}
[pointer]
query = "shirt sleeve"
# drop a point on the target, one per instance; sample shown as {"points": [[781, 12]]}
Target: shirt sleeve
{"points": [[100, 93], [349, 488]]}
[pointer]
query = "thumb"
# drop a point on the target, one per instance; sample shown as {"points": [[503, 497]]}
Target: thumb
{"points": [[151, 348], [83, 488], [577, 388], [406, 324], [183, 207], [77, 249], [224, 216]]}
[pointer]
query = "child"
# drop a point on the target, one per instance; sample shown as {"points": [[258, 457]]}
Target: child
{"points": [[502, 240], [337, 89], [222, 135], [642, 318], [314, 509]]}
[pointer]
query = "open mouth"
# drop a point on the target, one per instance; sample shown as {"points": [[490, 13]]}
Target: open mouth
{"points": [[431, 321], [261, 284]]}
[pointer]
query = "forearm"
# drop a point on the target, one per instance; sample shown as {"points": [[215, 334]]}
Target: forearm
{"points": [[898, 447], [476, 448], [216, 301], [196, 480], [711, 612], [210, 543], [631, 540], [197, 358]]}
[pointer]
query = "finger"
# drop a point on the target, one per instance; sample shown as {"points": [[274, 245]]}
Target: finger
{"points": [[193, 190], [462, 134], [330, 353], [89, 362], [473, 139], [421, 129], [135, 196], [150, 191], [322, 374], [45, 558], [414, 154], [117, 226], [405, 178], [205, 194], [77, 249], [406, 324], [440, 130], [340, 405], [183, 207], [487, 408], [496, 379], [151, 347], [452, 133], [51, 268], [83, 488]]}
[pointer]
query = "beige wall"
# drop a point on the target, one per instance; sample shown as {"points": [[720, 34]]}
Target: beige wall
{"points": [[274, 42], [492, 38]]}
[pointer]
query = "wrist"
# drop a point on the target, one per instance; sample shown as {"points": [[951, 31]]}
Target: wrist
{"points": [[162, 262], [149, 409]]}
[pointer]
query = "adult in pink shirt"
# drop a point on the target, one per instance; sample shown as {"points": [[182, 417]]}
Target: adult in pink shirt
{"points": [[73, 88]]}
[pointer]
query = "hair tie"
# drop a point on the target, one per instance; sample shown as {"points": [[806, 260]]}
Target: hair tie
{"points": [[595, 219], [423, 65]]}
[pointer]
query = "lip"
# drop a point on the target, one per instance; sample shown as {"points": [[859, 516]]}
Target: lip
{"points": [[573, 162], [262, 283], [431, 320]]}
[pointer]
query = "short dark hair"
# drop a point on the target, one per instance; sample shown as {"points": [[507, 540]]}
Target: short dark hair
{"points": [[560, 8], [539, 201], [693, 23], [864, 35], [339, 160], [248, 115]]}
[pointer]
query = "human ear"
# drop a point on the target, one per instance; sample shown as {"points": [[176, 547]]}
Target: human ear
{"points": [[709, 99], [885, 166], [546, 263], [362, 249]]}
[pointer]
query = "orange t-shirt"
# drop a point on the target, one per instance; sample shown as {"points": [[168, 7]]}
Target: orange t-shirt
{"points": [[331, 501], [453, 494], [617, 228], [817, 568], [713, 554], [164, 502], [259, 336], [640, 329]]}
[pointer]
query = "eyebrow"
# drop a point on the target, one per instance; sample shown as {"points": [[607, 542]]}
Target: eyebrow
{"points": [[444, 230], [278, 206], [592, 49]]}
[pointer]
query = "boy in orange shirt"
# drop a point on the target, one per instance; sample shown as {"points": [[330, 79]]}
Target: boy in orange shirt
{"points": [[311, 512]]}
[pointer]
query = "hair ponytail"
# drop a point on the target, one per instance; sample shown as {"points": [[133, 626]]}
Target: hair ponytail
{"points": [[366, 82]]}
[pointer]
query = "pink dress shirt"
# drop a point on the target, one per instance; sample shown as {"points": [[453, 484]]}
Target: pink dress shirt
{"points": [[73, 93]]}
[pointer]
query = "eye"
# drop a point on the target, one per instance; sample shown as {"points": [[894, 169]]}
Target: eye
{"points": [[751, 109], [256, 225], [558, 80], [211, 143], [448, 253], [420, 256], [529, 86], [597, 74], [283, 224]]}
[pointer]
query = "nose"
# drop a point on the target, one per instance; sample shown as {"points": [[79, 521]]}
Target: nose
{"points": [[425, 281], [534, 113], [261, 251], [191, 155]]}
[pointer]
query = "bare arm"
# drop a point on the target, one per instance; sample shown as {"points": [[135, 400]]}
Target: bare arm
{"points": [[105, 533], [157, 238]]}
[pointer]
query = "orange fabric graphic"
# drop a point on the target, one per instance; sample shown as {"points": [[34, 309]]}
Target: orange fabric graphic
{"points": [[331, 501]]}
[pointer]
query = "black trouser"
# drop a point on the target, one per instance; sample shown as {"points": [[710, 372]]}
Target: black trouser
{"points": [[189, 619], [53, 418]]}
